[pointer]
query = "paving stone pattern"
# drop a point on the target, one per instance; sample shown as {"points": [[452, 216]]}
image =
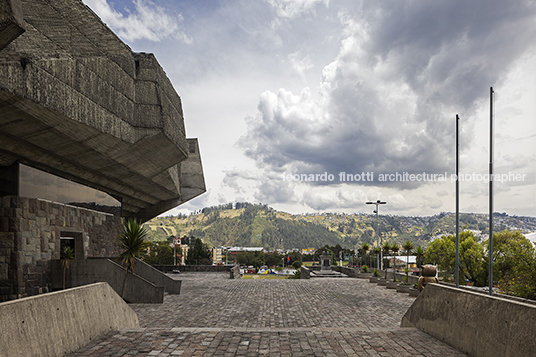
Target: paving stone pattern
{"points": [[216, 316]]}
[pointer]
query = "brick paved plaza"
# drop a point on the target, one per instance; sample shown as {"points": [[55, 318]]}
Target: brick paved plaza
{"points": [[216, 316]]}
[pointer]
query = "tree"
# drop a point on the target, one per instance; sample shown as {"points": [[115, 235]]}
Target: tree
{"points": [[514, 266], [132, 240], [159, 253], [67, 254], [198, 254], [473, 262]]}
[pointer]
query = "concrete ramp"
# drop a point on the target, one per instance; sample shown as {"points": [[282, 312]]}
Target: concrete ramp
{"points": [[474, 323], [158, 278], [60, 322], [89, 271]]}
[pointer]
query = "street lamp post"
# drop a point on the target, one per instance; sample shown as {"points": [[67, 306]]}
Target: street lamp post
{"points": [[377, 211]]}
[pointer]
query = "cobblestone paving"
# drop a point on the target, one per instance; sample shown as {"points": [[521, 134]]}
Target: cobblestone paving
{"points": [[215, 316]]}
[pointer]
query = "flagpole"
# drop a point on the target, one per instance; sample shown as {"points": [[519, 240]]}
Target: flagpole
{"points": [[457, 206], [491, 94]]}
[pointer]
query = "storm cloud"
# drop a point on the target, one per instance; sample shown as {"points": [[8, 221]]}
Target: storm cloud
{"points": [[387, 102]]}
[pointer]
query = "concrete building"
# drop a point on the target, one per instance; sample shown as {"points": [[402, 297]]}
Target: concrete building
{"points": [[218, 255], [90, 132]]}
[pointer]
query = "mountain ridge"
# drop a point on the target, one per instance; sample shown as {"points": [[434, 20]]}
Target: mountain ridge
{"points": [[258, 225]]}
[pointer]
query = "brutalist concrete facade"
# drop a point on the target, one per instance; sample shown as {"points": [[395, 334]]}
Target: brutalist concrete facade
{"points": [[76, 102]]}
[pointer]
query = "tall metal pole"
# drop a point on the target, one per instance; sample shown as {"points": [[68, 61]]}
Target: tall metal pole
{"points": [[491, 93], [457, 206], [378, 235], [378, 203]]}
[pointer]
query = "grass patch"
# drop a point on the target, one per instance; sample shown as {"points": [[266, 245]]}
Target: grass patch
{"points": [[263, 276]]}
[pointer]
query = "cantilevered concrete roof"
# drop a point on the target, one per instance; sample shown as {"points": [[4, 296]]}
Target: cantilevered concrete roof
{"points": [[77, 102]]}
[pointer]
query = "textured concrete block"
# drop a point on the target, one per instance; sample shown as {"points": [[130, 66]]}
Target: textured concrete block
{"points": [[11, 21], [89, 109], [474, 323], [58, 323]]}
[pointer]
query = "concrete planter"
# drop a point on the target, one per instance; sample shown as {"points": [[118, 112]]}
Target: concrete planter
{"points": [[403, 288], [373, 279], [413, 292], [364, 275], [392, 284], [382, 282]]}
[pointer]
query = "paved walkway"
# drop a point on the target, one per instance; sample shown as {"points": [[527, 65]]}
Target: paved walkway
{"points": [[215, 316]]}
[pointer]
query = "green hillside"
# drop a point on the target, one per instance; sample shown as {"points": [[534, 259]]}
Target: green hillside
{"points": [[258, 225]]}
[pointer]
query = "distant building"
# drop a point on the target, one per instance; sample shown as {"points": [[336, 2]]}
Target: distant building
{"points": [[308, 250], [217, 255], [400, 262], [235, 250]]}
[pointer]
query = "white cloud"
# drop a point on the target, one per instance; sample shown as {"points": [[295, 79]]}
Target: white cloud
{"points": [[294, 8], [147, 21], [333, 198], [299, 65]]}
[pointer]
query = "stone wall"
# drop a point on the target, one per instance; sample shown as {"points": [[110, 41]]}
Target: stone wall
{"points": [[30, 231]]}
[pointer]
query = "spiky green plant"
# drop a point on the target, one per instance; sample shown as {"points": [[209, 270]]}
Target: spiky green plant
{"points": [[67, 254], [132, 239]]}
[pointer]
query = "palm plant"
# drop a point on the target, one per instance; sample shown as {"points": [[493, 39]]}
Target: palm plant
{"points": [[394, 248], [67, 254], [364, 248], [376, 251], [408, 247], [133, 240], [386, 249], [419, 257]]}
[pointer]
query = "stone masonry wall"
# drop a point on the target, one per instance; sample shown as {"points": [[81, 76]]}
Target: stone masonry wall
{"points": [[30, 232]]}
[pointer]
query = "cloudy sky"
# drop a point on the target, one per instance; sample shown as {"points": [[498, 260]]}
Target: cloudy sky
{"points": [[290, 99]]}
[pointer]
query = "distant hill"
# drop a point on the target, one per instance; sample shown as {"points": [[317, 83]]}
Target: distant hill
{"points": [[256, 225]]}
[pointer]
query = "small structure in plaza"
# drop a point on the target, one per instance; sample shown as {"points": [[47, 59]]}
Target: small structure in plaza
{"points": [[325, 268], [325, 262]]}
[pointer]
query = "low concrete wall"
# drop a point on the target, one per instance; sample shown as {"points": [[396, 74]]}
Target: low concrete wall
{"points": [[305, 273], [474, 323], [57, 323], [351, 272], [195, 268], [156, 277], [234, 270], [89, 271], [412, 279]]}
